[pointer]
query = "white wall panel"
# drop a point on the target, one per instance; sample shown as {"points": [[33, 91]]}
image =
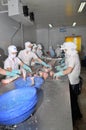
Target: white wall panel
{"points": [[7, 29], [56, 36], [30, 34], [42, 37]]}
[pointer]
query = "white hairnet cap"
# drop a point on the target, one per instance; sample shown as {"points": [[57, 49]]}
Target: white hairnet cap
{"points": [[62, 47], [68, 45], [39, 46], [12, 48], [27, 44], [34, 45]]}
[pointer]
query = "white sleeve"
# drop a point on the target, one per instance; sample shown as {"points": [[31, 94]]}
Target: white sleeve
{"points": [[18, 61], [34, 56], [71, 62], [7, 64], [20, 55]]}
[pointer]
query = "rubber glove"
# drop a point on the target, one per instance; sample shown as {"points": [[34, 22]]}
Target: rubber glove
{"points": [[16, 71], [46, 65], [64, 68], [27, 68], [11, 74], [58, 68], [36, 62], [63, 64], [58, 74], [43, 57], [62, 61]]}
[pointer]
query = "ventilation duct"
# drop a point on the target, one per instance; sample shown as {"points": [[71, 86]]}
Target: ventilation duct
{"points": [[19, 12]]}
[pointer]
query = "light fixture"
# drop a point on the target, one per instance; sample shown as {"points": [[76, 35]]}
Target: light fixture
{"points": [[74, 24], [50, 25], [82, 5]]}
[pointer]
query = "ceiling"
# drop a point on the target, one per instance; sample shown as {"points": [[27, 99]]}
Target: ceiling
{"points": [[56, 12]]}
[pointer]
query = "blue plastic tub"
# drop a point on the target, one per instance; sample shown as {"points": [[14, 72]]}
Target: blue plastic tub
{"points": [[18, 119], [17, 105], [38, 82], [20, 83]]}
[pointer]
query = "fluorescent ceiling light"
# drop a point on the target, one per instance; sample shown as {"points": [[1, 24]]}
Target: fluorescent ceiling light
{"points": [[50, 25], [82, 5], [74, 24]]}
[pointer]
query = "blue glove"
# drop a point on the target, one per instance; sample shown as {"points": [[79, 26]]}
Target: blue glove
{"points": [[63, 64], [64, 68], [36, 62], [43, 57], [58, 68], [16, 71], [46, 65], [27, 68], [58, 74], [49, 66], [62, 61], [10, 74]]}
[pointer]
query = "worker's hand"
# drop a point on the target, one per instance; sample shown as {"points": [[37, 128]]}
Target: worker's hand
{"points": [[49, 66], [62, 61], [16, 71], [43, 57], [36, 62], [58, 74], [58, 68], [63, 64], [27, 68], [17, 76], [11, 74], [45, 64]]}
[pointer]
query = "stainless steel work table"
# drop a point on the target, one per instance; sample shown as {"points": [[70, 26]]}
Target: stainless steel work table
{"points": [[53, 110]]}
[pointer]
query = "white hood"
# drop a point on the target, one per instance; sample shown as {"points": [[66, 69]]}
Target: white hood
{"points": [[70, 48]]}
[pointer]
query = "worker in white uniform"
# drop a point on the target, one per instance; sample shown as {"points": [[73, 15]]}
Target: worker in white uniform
{"points": [[58, 51], [27, 55], [72, 69], [39, 51], [34, 49], [12, 62]]}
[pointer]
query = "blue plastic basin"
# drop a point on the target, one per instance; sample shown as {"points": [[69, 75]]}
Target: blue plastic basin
{"points": [[20, 83], [17, 105]]}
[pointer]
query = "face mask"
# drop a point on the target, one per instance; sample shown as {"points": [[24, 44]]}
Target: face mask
{"points": [[39, 52], [12, 56], [28, 49], [71, 52]]}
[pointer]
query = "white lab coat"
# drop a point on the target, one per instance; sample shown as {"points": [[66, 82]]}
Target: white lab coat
{"points": [[74, 62], [14, 64], [58, 52], [27, 57], [39, 53]]}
